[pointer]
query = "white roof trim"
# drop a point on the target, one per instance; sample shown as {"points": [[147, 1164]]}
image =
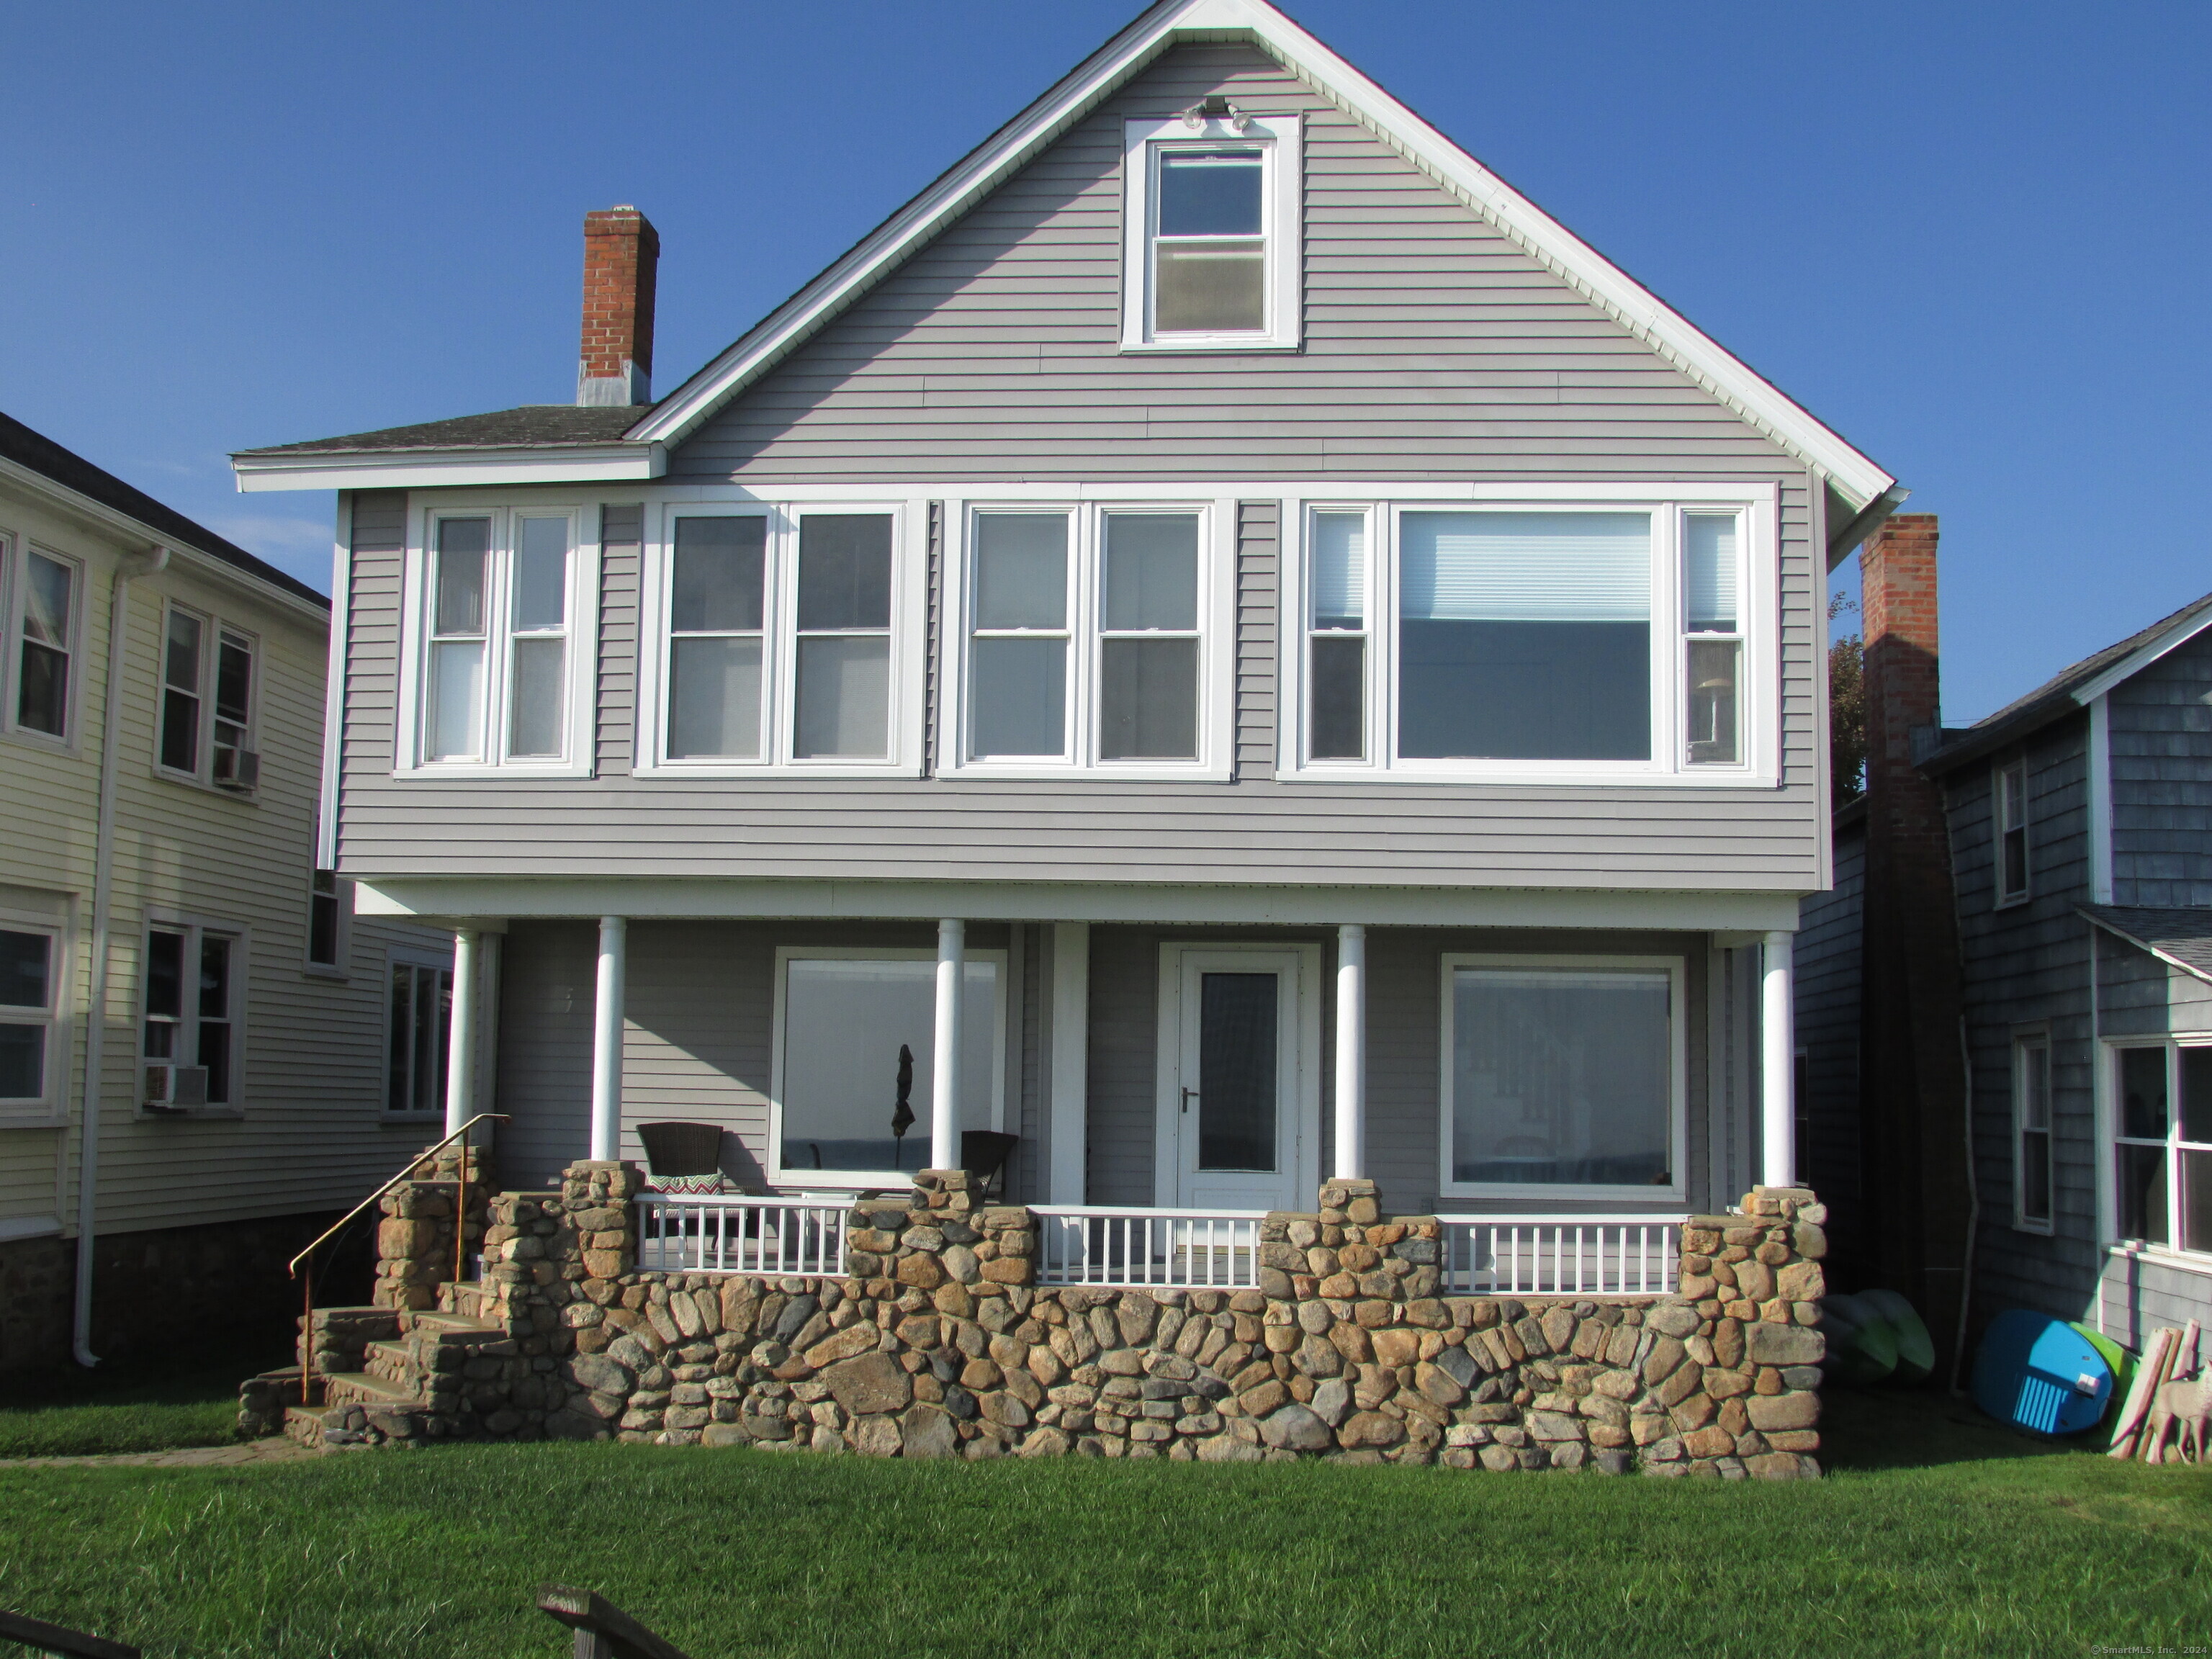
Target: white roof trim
{"points": [[2143, 656], [446, 469], [2148, 948], [1854, 477]]}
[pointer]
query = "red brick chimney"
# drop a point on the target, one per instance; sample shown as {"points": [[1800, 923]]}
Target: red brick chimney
{"points": [[1912, 1075], [622, 253]]}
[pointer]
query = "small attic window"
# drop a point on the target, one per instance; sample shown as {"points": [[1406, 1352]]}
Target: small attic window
{"points": [[1211, 236]]}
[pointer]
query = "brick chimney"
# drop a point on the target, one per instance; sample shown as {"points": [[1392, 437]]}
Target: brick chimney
{"points": [[1912, 1076], [622, 253]]}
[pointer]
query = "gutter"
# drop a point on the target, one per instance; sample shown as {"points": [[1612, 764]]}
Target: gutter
{"points": [[1871, 519], [103, 873]]}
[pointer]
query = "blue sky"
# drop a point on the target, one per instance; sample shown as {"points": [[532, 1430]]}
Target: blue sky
{"points": [[1971, 237]]}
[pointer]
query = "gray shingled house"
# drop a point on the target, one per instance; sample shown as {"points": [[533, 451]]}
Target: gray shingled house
{"points": [[1223, 633], [2078, 820]]}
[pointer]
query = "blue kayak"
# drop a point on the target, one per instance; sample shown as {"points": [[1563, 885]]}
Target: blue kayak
{"points": [[2040, 1374]]}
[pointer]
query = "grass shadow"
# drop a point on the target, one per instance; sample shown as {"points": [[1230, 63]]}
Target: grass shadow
{"points": [[1923, 1428]]}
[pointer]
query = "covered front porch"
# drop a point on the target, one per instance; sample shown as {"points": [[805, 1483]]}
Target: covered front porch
{"points": [[1558, 1097]]}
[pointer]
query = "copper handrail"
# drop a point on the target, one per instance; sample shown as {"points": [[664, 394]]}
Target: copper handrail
{"points": [[460, 1234]]}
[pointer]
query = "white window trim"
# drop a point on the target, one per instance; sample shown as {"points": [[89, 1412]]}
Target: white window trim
{"points": [[1759, 587], [2111, 1120], [1278, 139], [51, 1107], [909, 621], [15, 586], [2024, 1039], [401, 955], [241, 980], [1536, 1192], [863, 1179], [1217, 649], [2001, 899], [408, 747], [213, 627]]}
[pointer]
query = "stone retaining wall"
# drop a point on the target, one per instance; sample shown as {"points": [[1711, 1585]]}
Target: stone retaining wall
{"points": [[937, 1343]]}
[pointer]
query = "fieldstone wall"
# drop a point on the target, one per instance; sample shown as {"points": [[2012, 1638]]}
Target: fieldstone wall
{"points": [[415, 1241], [939, 1343]]}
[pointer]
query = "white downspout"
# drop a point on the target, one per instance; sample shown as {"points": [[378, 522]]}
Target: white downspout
{"points": [[103, 869]]}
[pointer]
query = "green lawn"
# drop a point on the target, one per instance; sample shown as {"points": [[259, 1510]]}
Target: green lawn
{"points": [[120, 1408], [1935, 1535]]}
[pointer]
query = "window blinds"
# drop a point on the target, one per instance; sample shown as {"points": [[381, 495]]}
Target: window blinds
{"points": [[1709, 562], [1525, 566], [1339, 578]]}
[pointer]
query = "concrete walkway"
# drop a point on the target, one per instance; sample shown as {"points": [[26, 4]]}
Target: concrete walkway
{"points": [[274, 1449]]}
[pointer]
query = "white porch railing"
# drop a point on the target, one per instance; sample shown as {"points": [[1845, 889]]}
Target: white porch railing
{"points": [[1197, 1249], [719, 1233], [1561, 1255]]}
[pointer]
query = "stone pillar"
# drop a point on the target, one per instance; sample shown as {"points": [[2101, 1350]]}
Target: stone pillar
{"points": [[461, 1032], [1778, 1063], [1351, 1052], [607, 1041], [415, 1246], [944, 1071]]}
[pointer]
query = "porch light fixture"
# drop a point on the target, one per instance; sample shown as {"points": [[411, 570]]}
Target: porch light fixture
{"points": [[1215, 108]]}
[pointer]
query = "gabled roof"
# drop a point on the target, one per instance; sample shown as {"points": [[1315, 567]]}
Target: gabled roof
{"points": [[33, 452], [2071, 689], [1855, 479], [2181, 937]]}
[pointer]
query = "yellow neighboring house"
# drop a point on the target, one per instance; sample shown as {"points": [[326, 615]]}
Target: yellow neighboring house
{"points": [[204, 1056]]}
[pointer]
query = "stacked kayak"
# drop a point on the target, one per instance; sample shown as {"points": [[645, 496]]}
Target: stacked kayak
{"points": [[2043, 1374], [1875, 1336]]}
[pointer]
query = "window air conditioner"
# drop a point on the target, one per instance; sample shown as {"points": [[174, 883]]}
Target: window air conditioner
{"points": [[237, 768], [175, 1087]]}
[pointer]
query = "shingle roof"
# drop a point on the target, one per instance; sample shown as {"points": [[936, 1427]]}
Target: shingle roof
{"points": [[533, 425], [2183, 937], [2052, 700], [42, 455]]}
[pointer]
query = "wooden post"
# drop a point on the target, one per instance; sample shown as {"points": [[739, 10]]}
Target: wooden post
{"points": [[42, 1637], [602, 1630], [306, 1331]]}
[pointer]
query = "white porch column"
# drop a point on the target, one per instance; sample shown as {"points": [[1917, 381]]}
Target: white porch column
{"points": [[945, 1073], [1778, 1065], [607, 1041], [461, 1031], [1351, 1052], [1071, 1060]]}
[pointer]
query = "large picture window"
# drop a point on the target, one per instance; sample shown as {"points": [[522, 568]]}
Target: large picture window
{"points": [[1571, 641], [1212, 237], [1562, 1076], [1086, 639], [774, 641], [501, 676], [2162, 1144], [843, 1018]]}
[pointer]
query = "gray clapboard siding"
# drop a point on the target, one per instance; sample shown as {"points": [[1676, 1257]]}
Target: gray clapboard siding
{"points": [[2137, 1297], [2160, 722], [622, 533], [1434, 349], [1828, 954]]}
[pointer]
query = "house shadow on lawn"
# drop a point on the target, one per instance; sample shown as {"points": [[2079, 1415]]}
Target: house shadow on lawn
{"points": [[1920, 1428]]}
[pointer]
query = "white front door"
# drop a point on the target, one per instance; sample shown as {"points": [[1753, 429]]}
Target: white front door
{"points": [[1240, 1051]]}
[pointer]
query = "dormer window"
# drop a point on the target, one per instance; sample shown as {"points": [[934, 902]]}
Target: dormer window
{"points": [[1211, 201]]}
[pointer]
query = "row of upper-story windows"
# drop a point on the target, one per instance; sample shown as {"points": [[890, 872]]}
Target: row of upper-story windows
{"points": [[1590, 637], [208, 672]]}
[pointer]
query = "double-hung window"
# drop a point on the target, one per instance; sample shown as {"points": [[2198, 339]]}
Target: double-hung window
{"points": [[207, 708], [504, 614], [1582, 641], [2011, 791], [2162, 1144], [30, 974], [41, 595], [775, 640], [1210, 233], [418, 1022], [191, 1025], [2030, 1105], [1087, 640]]}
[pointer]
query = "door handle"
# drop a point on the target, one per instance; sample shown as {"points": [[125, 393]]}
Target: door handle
{"points": [[1189, 1095]]}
